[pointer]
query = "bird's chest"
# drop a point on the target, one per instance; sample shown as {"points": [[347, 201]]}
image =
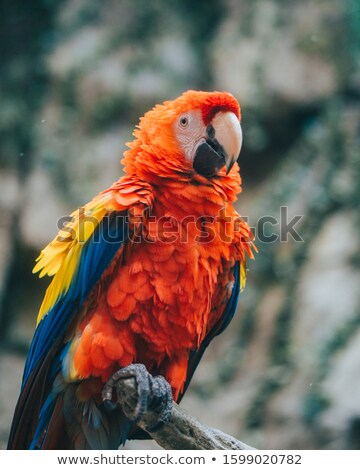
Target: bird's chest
{"points": [[166, 291], [165, 287]]}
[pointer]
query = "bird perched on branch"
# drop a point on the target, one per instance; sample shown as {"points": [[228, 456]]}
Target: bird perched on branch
{"points": [[143, 278]]}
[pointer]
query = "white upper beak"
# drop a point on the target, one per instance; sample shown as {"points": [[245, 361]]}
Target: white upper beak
{"points": [[228, 134]]}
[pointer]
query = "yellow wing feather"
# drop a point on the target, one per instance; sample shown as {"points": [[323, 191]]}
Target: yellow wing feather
{"points": [[61, 257]]}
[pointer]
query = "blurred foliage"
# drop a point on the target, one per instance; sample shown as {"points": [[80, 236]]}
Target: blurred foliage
{"points": [[25, 35]]}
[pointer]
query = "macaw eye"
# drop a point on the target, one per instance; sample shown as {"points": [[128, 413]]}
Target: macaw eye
{"points": [[183, 122]]}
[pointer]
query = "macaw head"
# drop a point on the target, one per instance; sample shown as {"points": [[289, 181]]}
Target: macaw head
{"points": [[197, 135]]}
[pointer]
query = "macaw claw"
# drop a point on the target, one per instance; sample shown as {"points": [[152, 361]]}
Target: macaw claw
{"points": [[162, 401], [153, 394]]}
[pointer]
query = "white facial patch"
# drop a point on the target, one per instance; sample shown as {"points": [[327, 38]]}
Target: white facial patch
{"points": [[190, 131]]}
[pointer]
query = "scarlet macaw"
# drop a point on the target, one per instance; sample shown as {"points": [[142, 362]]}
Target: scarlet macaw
{"points": [[147, 273]]}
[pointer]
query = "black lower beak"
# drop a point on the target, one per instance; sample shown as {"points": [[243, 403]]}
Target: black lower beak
{"points": [[208, 160]]}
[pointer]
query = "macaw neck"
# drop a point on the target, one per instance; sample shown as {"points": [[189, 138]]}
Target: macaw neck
{"points": [[192, 197]]}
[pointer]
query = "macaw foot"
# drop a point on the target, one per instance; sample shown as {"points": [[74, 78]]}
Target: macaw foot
{"points": [[154, 395]]}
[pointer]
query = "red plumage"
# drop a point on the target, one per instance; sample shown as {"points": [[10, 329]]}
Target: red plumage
{"points": [[168, 287]]}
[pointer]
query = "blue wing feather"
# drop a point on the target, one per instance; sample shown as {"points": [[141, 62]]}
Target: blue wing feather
{"points": [[97, 254], [38, 398], [232, 303]]}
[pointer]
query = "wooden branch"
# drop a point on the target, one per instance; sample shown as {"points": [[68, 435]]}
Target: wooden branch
{"points": [[183, 431]]}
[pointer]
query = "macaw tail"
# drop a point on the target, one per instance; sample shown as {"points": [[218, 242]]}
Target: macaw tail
{"points": [[29, 409]]}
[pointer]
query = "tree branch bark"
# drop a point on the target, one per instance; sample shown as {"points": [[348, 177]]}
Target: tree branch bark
{"points": [[183, 431]]}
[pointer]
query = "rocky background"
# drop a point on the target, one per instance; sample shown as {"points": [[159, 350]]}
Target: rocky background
{"points": [[75, 77]]}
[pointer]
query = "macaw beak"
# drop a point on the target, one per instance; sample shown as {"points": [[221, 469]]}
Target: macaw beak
{"points": [[221, 147]]}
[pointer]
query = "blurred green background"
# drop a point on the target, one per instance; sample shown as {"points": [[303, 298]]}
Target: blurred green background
{"points": [[75, 77]]}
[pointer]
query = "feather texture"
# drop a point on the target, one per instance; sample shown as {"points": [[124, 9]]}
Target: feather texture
{"points": [[149, 271]]}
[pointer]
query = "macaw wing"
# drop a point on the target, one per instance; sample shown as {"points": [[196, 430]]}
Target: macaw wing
{"points": [[77, 259], [220, 325], [81, 269]]}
